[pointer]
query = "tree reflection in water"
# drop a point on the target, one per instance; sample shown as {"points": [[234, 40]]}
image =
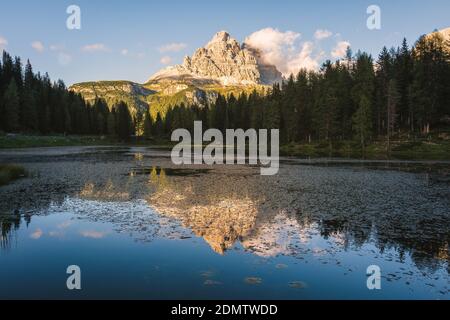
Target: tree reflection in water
{"points": [[269, 216], [275, 216]]}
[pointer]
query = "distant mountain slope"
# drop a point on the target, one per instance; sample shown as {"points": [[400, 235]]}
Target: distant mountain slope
{"points": [[222, 66], [134, 94], [222, 61]]}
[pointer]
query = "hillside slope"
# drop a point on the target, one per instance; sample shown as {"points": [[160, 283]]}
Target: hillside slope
{"points": [[223, 66]]}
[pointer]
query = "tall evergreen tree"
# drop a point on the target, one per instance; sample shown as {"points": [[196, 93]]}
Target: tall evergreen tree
{"points": [[29, 116], [384, 74], [111, 123], [159, 126], [404, 79], [429, 93], [393, 98], [148, 124], [11, 107], [362, 121], [124, 122]]}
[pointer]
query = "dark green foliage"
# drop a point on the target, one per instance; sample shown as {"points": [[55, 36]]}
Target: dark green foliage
{"points": [[124, 122], [30, 102], [11, 107], [10, 172], [362, 120], [148, 124], [405, 91]]}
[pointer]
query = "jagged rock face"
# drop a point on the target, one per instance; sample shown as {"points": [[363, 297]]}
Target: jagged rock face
{"points": [[113, 92], [222, 66], [445, 33], [224, 61]]}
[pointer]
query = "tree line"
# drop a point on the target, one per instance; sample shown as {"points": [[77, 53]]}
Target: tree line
{"points": [[32, 103], [406, 91]]}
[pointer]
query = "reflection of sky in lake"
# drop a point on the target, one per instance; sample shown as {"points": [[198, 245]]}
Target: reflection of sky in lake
{"points": [[139, 229]]}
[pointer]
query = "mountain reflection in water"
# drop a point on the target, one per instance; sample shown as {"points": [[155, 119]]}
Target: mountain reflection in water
{"points": [[268, 216], [306, 232]]}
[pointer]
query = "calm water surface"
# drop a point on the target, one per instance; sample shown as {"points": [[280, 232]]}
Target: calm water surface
{"points": [[140, 227]]}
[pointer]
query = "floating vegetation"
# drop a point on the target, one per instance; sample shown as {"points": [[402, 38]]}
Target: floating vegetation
{"points": [[10, 172], [253, 280], [297, 285]]}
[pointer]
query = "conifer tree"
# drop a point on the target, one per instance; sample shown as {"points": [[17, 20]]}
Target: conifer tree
{"points": [[393, 98], [124, 122], [148, 124], [11, 107], [362, 121]]}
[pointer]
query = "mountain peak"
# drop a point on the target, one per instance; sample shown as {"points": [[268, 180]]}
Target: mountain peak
{"points": [[221, 36], [224, 61], [445, 33]]}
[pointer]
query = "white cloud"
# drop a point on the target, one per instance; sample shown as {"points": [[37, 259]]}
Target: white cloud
{"points": [[283, 50], [3, 42], [38, 46], [304, 59], [135, 55], [64, 58], [56, 234], [56, 47], [166, 60], [65, 224], [172, 47], [95, 47], [93, 234], [37, 234], [340, 49], [321, 34]]}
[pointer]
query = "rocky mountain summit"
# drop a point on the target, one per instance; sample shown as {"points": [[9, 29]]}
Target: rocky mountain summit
{"points": [[445, 33], [222, 66], [222, 61]]}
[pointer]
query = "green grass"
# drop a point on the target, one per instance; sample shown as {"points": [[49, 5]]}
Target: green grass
{"points": [[34, 141], [28, 141], [10, 172], [426, 150], [435, 149], [405, 150]]}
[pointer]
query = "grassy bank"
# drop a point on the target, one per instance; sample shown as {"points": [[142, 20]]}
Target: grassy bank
{"points": [[434, 149], [32, 141], [26, 141], [10, 172], [405, 150]]}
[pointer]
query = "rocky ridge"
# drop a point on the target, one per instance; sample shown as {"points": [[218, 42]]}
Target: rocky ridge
{"points": [[222, 61], [222, 66]]}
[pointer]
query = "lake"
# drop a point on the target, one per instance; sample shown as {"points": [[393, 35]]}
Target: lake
{"points": [[141, 228]]}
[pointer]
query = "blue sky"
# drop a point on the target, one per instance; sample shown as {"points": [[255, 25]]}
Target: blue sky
{"points": [[131, 40]]}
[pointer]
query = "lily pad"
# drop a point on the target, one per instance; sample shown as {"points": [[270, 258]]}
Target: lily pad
{"points": [[297, 284], [210, 282], [253, 280]]}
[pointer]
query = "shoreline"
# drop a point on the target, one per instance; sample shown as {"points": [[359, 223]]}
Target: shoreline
{"points": [[426, 150]]}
